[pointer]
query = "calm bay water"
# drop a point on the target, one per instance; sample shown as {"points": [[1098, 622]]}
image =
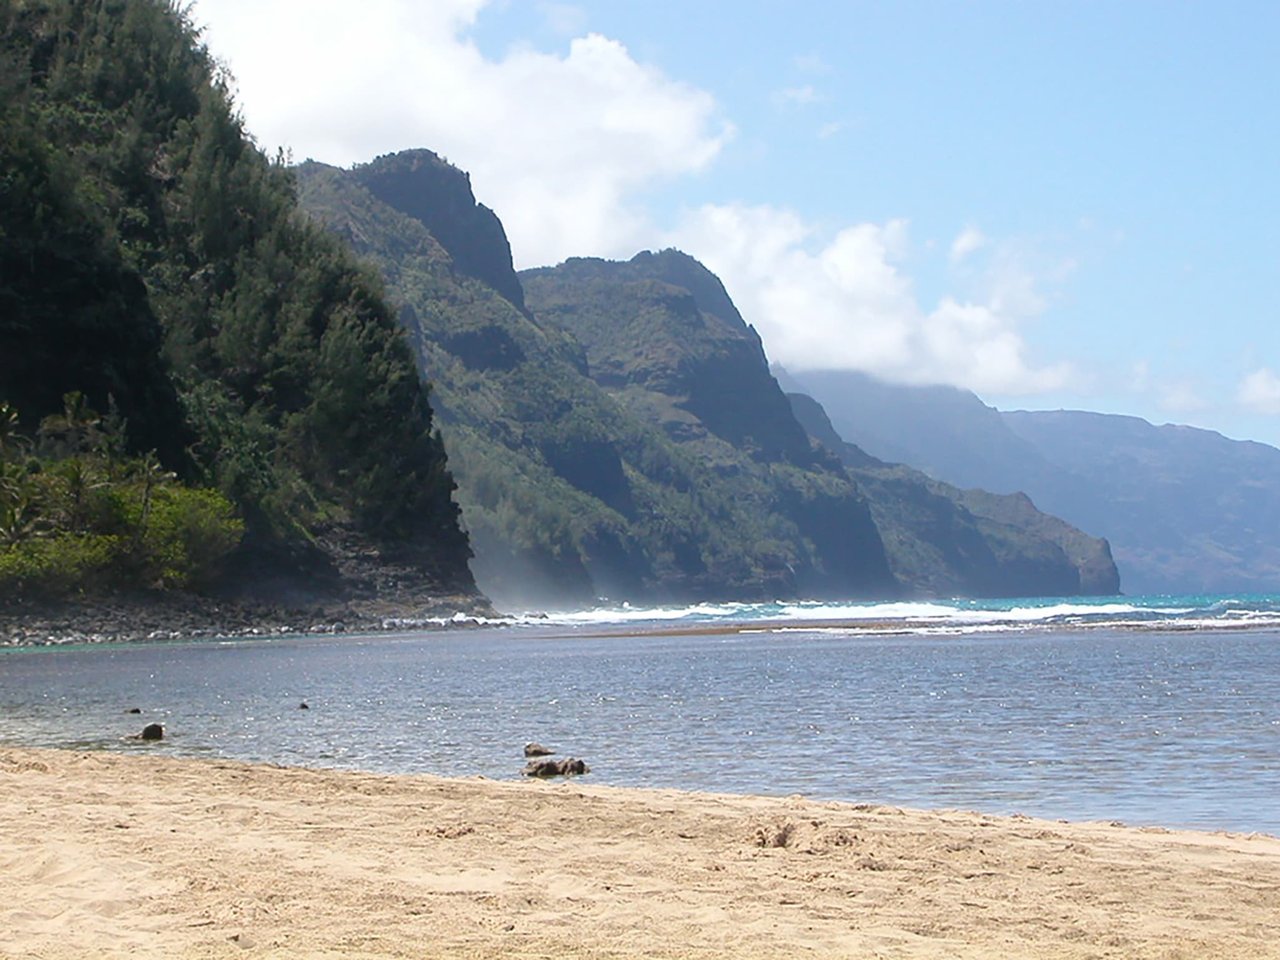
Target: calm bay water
{"points": [[1073, 715]]}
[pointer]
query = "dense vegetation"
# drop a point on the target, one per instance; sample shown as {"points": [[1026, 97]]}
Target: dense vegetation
{"points": [[76, 513], [152, 260], [616, 430], [568, 488]]}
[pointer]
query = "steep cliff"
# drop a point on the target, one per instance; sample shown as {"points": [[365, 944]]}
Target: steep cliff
{"points": [[663, 339], [568, 490], [946, 541], [155, 267], [1185, 510], [615, 429]]}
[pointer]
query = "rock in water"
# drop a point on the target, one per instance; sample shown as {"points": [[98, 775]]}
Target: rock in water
{"points": [[152, 731], [555, 768], [536, 750]]}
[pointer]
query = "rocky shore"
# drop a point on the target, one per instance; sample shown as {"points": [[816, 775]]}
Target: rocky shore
{"points": [[340, 583], [160, 616]]}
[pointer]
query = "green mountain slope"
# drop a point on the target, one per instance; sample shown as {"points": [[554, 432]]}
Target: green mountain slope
{"points": [[154, 260], [615, 429], [654, 344], [570, 489], [946, 541]]}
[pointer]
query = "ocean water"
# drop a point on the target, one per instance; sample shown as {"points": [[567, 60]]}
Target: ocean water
{"points": [[1148, 710]]}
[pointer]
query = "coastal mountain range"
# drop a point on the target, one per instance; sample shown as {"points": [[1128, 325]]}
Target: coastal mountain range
{"points": [[346, 368], [1186, 510], [615, 430]]}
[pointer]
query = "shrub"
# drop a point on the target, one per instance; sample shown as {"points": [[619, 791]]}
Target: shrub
{"points": [[54, 566], [189, 533]]}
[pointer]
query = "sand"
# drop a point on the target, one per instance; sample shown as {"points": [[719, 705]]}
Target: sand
{"points": [[134, 855]]}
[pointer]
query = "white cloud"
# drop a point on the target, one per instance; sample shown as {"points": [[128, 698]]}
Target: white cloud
{"points": [[564, 19], [1181, 397], [843, 303], [565, 146], [968, 241], [1260, 392], [811, 63], [1140, 376], [796, 96], [829, 130], [560, 144]]}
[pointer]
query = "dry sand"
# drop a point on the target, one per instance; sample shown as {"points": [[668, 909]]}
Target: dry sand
{"points": [[145, 856]]}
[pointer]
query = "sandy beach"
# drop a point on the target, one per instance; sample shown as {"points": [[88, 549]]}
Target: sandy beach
{"points": [[146, 856]]}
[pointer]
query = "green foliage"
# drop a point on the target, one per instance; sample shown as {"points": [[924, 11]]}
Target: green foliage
{"points": [[573, 474], [74, 516], [154, 263], [59, 565], [186, 535]]}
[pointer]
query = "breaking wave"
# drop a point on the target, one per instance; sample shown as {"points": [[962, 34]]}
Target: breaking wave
{"points": [[939, 616]]}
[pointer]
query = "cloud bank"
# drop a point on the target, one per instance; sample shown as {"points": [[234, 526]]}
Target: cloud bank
{"points": [[564, 147], [845, 303], [561, 145], [1260, 392]]}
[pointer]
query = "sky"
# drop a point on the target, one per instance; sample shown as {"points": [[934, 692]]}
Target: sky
{"points": [[1056, 205]]}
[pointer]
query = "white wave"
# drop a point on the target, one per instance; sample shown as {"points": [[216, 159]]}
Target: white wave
{"points": [[922, 615], [866, 611], [628, 614], [941, 612]]}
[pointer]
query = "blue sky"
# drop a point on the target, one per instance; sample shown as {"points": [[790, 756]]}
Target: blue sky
{"points": [[1055, 204]]}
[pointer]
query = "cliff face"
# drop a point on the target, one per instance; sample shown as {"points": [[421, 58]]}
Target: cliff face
{"points": [[662, 323], [422, 186], [615, 430], [663, 339], [1185, 510], [154, 268], [946, 541], [569, 490]]}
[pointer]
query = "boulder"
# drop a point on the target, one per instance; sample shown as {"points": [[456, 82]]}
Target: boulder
{"points": [[152, 731], [556, 768], [536, 750]]}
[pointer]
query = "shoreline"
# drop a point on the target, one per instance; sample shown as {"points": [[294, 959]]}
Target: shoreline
{"points": [[158, 617], [106, 853]]}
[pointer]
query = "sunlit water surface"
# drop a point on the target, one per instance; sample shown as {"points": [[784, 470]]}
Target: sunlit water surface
{"points": [[1173, 727]]}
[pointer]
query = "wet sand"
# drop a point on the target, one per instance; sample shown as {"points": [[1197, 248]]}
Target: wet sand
{"points": [[145, 856]]}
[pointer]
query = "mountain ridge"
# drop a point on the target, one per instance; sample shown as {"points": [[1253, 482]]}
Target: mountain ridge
{"points": [[1186, 510], [615, 430]]}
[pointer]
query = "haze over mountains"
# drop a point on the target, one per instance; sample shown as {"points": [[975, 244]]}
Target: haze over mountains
{"points": [[1185, 510]]}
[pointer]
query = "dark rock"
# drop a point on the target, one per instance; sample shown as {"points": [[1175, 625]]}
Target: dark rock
{"points": [[152, 731], [555, 768], [303, 706], [133, 710], [536, 750]]}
